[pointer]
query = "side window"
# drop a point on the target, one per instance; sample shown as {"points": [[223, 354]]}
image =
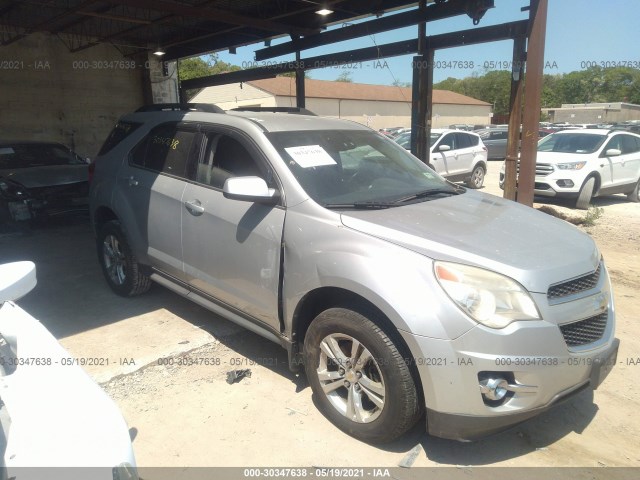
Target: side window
{"points": [[629, 144], [615, 142], [463, 140], [165, 149], [225, 157], [501, 135], [121, 131], [449, 139]]}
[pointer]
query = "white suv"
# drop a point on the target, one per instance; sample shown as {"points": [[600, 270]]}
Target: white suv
{"points": [[583, 164], [456, 155], [459, 156]]}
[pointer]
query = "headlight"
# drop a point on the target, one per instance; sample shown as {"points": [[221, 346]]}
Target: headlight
{"points": [[13, 190], [488, 297], [571, 166]]}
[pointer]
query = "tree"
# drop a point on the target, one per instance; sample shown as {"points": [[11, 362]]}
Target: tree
{"points": [[398, 83], [345, 77], [203, 66], [293, 74]]}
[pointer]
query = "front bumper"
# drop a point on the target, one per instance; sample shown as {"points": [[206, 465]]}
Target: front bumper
{"points": [[469, 428], [542, 362]]}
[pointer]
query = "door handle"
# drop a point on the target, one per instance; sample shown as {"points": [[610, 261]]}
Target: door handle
{"points": [[194, 207], [133, 182]]}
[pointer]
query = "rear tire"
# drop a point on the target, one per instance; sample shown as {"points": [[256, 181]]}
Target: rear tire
{"points": [[477, 177], [119, 265], [634, 195], [586, 193], [359, 378]]}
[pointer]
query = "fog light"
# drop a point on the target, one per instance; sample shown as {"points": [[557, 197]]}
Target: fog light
{"points": [[565, 183], [494, 388]]}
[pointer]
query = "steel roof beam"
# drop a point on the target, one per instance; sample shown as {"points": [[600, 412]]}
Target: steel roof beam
{"points": [[216, 15], [504, 31], [385, 24]]}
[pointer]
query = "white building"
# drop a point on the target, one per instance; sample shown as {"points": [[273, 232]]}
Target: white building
{"points": [[377, 106]]}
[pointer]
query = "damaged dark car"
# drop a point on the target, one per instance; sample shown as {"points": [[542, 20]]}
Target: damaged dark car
{"points": [[41, 179]]}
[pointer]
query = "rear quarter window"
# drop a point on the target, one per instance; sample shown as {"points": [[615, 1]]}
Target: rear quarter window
{"points": [[121, 131]]}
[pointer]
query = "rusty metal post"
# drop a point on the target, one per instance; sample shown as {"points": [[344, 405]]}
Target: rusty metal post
{"points": [[300, 92], [420, 94], [515, 118], [533, 89]]}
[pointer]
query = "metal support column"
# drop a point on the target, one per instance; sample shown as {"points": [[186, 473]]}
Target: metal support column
{"points": [[421, 94], [515, 118], [531, 116], [300, 93]]}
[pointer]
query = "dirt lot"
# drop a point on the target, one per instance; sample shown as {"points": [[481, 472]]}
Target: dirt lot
{"points": [[187, 415]]}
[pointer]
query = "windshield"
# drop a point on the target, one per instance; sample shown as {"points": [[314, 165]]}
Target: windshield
{"points": [[36, 155], [571, 143], [348, 167]]}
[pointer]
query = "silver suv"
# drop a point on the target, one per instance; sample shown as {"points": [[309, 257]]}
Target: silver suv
{"points": [[398, 292]]}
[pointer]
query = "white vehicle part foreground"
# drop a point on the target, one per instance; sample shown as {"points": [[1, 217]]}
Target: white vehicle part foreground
{"points": [[55, 418]]}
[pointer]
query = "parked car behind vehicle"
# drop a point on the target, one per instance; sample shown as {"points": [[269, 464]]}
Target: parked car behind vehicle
{"points": [[456, 155], [495, 139], [42, 178], [397, 291], [55, 418], [586, 163]]}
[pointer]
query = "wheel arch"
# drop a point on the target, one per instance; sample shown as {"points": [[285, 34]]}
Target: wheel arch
{"points": [[101, 216], [323, 298]]}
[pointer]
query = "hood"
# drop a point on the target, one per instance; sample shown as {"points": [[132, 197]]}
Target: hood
{"points": [[534, 248], [559, 157], [49, 176]]}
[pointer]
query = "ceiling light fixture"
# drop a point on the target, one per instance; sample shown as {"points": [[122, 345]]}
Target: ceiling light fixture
{"points": [[324, 12], [159, 52]]}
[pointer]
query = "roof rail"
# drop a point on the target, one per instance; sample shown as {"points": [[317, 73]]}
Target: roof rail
{"points": [[292, 110], [191, 107]]}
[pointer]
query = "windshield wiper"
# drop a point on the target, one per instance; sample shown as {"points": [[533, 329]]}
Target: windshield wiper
{"points": [[370, 204], [429, 193]]}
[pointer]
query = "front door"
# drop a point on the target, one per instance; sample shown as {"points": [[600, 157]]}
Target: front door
{"points": [[231, 247]]}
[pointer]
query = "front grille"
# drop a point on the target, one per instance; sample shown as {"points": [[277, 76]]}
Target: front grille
{"points": [[585, 331], [543, 169], [577, 285]]}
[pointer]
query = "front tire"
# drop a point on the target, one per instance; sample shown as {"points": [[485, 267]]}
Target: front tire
{"points": [[360, 380], [586, 193], [477, 177], [119, 265]]}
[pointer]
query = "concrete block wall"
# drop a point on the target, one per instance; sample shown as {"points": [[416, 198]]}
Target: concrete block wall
{"points": [[50, 94]]}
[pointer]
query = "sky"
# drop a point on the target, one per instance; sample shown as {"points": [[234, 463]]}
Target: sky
{"points": [[580, 33]]}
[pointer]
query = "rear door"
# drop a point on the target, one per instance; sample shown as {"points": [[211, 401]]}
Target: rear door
{"points": [[153, 183], [466, 152], [231, 247], [444, 162], [630, 164]]}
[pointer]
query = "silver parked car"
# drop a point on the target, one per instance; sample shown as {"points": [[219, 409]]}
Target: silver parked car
{"points": [[398, 292]]}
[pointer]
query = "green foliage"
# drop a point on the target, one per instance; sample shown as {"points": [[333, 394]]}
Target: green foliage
{"points": [[345, 77], [595, 84], [201, 67], [592, 215], [293, 74]]}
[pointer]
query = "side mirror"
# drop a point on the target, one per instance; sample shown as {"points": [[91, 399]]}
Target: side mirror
{"points": [[16, 280], [444, 148], [88, 160], [612, 152], [249, 189]]}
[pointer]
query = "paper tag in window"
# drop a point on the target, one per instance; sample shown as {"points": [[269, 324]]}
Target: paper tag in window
{"points": [[310, 156]]}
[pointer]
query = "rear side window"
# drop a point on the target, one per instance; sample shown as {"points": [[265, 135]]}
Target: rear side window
{"points": [[167, 149], [464, 140], [630, 144], [121, 131]]}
